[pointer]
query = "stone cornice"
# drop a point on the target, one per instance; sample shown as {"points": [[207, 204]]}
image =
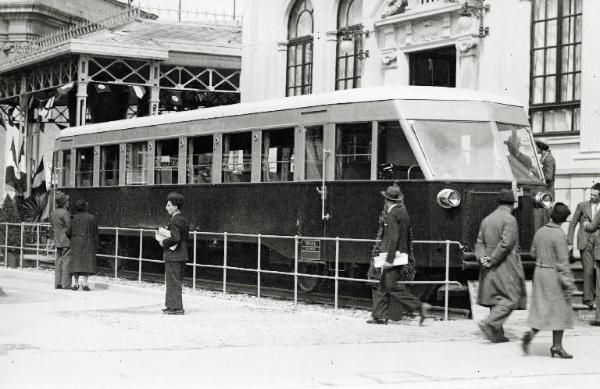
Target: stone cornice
{"points": [[26, 11]]}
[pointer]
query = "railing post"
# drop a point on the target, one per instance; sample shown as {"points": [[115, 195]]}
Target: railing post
{"points": [[258, 266], [194, 262], [225, 262], [140, 258], [37, 246], [5, 244], [447, 280], [22, 243], [116, 250], [336, 275], [295, 269]]}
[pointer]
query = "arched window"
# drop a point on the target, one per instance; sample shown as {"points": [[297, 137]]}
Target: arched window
{"points": [[300, 49], [349, 45]]}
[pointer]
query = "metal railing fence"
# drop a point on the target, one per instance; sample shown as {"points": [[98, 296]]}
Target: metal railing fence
{"points": [[32, 236]]}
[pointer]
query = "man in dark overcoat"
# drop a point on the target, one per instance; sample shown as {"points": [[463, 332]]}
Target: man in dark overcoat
{"points": [[60, 221], [501, 276], [395, 238], [175, 254], [585, 212]]}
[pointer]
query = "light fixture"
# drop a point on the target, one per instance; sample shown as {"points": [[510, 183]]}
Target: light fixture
{"points": [[348, 46], [543, 200], [477, 8], [448, 198]]}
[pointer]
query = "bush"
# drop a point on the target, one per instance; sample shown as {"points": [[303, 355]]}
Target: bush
{"points": [[10, 214]]}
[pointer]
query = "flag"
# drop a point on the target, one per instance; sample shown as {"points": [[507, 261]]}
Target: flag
{"points": [[11, 167], [38, 181], [138, 90]]}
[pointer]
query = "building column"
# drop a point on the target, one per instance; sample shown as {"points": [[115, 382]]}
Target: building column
{"points": [[82, 83], [330, 67], [590, 78], [154, 88], [467, 67], [280, 85]]}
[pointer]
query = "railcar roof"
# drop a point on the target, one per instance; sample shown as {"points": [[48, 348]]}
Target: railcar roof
{"points": [[306, 101]]}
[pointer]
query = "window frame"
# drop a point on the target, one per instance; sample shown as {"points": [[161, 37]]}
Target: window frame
{"points": [[306, 43], [573, 104], [355, 31]]}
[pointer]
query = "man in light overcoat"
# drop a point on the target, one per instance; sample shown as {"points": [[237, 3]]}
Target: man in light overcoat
{"points": [[585, 212], [60, 221], [175, 254], [501, 276]]}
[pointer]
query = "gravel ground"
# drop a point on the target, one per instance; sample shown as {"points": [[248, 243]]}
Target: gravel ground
{"points": [[214, 319]]}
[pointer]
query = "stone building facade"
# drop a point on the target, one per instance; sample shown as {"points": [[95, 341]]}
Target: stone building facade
{"points": [[544, 53]]}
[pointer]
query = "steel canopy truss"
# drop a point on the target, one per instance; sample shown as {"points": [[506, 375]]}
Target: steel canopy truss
{"points": [[119, 71], [200, 79], [51, 76], [10, 86]]}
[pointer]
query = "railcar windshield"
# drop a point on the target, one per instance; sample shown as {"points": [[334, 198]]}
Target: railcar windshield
{"points": [[472, 150]]}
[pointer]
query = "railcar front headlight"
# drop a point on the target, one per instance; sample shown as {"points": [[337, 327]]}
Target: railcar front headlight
{"points": [[448, 198], [543, 200]]}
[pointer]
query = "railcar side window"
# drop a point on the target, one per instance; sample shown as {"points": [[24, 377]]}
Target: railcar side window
{"points": [[84, 169], [165, 161], [395, 158], [314, 153], [353, 151], [136, 163], [199, 159], [66, 168], [109, 165], [237, 157], [278, 155]]}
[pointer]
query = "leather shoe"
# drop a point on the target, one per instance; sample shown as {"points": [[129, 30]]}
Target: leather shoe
{"points": [[174, 312], [595, 323], [85, 288], [501, 339], [58, 287], [377, 321], [74, 287]]}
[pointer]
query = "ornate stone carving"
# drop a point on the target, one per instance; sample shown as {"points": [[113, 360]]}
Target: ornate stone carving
{"points": [[467, 46], [394, 7]]}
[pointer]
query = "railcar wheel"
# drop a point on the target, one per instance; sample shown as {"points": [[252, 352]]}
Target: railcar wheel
{"points": [[310, 284]]}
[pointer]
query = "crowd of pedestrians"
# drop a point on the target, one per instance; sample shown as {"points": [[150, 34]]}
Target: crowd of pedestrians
{"points": [[501, 276]]}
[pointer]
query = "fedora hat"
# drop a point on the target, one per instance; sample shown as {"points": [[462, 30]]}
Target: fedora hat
{"points": [[61, 198], [392, 193], [505, 196], [542, 145]]}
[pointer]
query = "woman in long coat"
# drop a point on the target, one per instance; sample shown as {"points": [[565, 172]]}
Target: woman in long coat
{"points": [[84, 241], [552, 283]]}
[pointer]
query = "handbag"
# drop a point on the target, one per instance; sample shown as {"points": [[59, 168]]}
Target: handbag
{"points": [[399, 260]]}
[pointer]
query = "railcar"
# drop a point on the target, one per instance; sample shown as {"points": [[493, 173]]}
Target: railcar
{"points": [[313, 166]]}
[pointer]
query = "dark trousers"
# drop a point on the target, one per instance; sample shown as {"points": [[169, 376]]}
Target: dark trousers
{"points": [[499, 313], [174, 281], [62, 263], [588, 262], [597, 316], [389, 290]]}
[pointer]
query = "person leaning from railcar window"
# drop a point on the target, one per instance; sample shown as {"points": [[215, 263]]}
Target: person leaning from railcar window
{"points": [[60, 221], [175, 253], [553, 283], [396, 236], [84, 243], [548, 165], [501, 276]]}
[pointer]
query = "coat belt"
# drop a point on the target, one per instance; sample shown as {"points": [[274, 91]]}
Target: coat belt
{"points": [[546, 266]]}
